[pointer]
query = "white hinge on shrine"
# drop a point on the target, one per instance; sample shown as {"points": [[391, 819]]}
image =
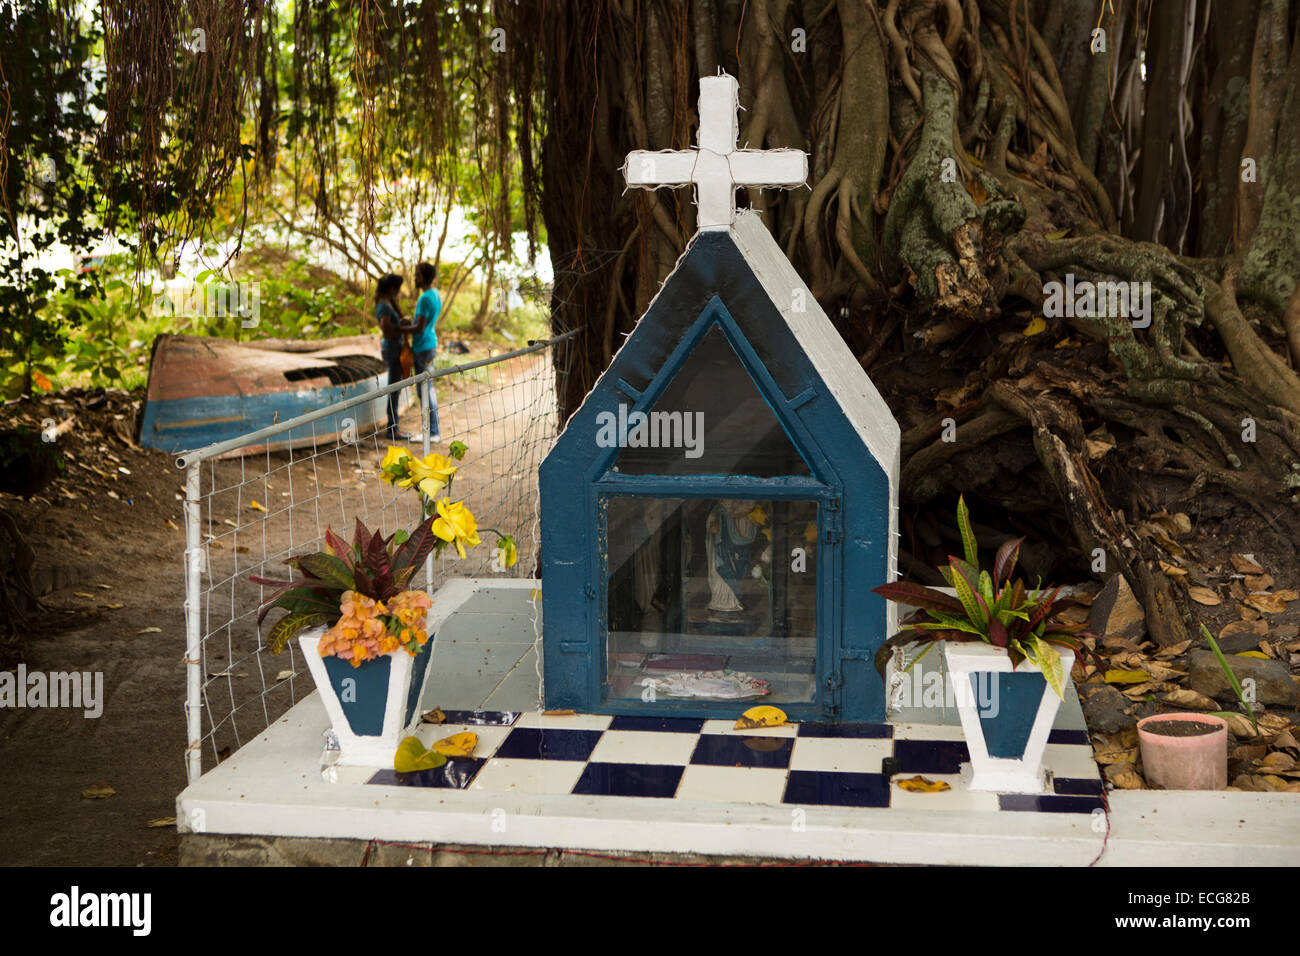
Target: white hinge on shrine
{"points": [[833, 520]]}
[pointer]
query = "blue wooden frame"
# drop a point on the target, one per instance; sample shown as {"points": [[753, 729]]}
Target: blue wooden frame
{"points": [[710, 287]]}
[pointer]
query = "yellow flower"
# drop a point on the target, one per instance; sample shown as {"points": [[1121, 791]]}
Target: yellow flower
{"points": [[430, 474], [758, 515], [455, 523], [394, 457]]}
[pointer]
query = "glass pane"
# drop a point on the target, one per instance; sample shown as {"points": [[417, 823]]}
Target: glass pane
{"points": [[711, 599], [711, 420]]}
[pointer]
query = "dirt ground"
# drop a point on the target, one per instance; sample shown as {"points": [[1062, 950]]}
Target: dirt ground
{"points": [[109, 535]]}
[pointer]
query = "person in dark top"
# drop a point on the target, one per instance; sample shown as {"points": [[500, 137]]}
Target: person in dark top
{"points": [[392, 326], [424, 343]]}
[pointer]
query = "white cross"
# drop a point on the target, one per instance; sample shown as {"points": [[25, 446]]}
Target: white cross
{"points": [[716, 167]]}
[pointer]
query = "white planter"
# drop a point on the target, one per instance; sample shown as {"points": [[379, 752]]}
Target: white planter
{"points": [[376, 709], [1006, 728]]}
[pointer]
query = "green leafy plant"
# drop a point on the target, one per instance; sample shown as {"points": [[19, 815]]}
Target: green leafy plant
{"points": [[1232, 680], [376, 567], [988, 607]]}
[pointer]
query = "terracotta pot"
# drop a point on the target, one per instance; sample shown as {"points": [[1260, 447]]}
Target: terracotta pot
{"points": [[1198, 762]]}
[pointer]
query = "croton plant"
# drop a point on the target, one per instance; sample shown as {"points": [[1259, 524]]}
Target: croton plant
{"points": [[360, 591], [988, 607]]}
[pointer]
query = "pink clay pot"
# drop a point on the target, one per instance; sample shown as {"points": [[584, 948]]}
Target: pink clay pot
{"points": [[1185, 763]]}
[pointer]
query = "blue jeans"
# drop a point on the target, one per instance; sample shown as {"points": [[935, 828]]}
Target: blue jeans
{"points": [[391, 351], [423, 361]]}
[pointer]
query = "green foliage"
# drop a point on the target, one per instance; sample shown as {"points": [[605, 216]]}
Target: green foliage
{"points": [[989, 607], [47, 194], [372, 565], [1232, 678]]}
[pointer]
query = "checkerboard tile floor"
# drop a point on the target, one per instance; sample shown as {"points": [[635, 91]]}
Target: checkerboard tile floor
{"points": [[807, 764]]}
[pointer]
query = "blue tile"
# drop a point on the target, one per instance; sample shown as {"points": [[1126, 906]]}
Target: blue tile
{"points": [[931, 756], [482, 718], [837, 788], [1069, 737], [536, 743], [673, 725], [629, 780], [720, 750], [1076, 786], [854, 731], [453, 775], [1048, 803]]}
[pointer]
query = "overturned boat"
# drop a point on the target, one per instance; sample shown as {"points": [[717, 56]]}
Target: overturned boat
{"points": [[204, 390]]}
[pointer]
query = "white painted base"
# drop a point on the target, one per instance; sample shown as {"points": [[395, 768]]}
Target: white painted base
{"points": [[363, 750], [1000, 774]]}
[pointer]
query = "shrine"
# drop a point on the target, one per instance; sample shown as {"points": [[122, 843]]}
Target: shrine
{"points": [[716, 512]]}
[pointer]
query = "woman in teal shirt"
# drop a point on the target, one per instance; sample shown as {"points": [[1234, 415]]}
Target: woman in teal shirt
{"points": [[424, 343]]}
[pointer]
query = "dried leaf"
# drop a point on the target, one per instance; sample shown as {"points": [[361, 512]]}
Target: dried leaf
{"points": [[1173, 570], [1174, 650], [1246, 564], [1286, 741], [1035, 326], [1278, 761], [435, 716], [99, 791], [1241, 627], [1259, 582], [1110, 757], [1268, 603], [1190, 699], [1204, 596], [283, 675], [1238, 725], [161, 822], [1259, 654], [919, 784], [149, 630], [1126, 677], [1125, 776], [1272, 724]]}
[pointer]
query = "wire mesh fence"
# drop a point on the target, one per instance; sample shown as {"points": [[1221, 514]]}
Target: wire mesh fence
{"points": [[252, 503]]}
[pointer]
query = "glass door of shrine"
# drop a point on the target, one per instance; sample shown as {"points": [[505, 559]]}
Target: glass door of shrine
{"points": [[716, 554]]}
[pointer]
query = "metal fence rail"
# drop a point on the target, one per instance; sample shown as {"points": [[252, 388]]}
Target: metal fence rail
{"points": [[245, 514]]}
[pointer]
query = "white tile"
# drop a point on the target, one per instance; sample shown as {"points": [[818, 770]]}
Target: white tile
{"points": [[489, 738], [641, 746], [928, 732], [732, 784], [1070, 760], [851, 755], [956, 798], [347, 775], [528, 776], [532, 718], [729, 727]]}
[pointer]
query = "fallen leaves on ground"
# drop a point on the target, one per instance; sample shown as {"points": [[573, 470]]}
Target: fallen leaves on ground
{"points": [[1204, 596], [1190, 699], [435, 716], [761, 716], [413, 756], [458, 746], [99, 791], [1246, 564], [1116, 676], [919, 784], [161, 822]]}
